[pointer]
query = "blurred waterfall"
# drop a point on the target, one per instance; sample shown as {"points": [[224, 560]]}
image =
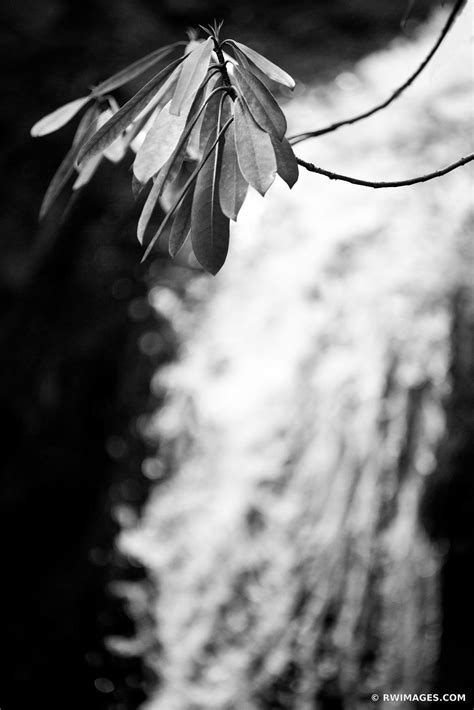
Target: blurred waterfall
{"points": [[282, 539]]}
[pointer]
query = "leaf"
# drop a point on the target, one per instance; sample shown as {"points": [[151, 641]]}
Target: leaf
{"points": [[133, 70], [87, 172], [181, 224], [167, 135], [139, 129], [116, 150], [137, 187], [255, 152], [232, 184], [209, 119], [60, 178], [287, 167], [260, 102], [195, 137], [59, 118], [193, 72], [123, 118], [159, 144], [265, 65], [86, 126], [150, 203], [209, 225], [192, 178]]}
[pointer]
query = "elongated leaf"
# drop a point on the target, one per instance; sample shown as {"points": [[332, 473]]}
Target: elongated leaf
{"points": [[137, 187], [265, 65], [116, 150], [208, 86], [181, 224], [167, 136], [59, 118], [150, 203], [87, 172], [60, 178], [287, 167], [168, 173], [123, 118], [209, 119], [86, 127], [159, 144], [260, 102], [189, 183], [250, 66], [192, 75], [255, 152], [232, 184], [209, 225], [133, 70], [139, 129]]}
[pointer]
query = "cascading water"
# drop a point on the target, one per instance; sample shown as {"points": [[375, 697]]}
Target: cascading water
{"points": [[304, 414]]}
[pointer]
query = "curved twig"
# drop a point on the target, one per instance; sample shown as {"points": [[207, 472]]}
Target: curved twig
{"points": [[349, 121], [377, 185]]}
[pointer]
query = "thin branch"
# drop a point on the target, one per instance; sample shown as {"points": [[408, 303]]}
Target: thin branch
{"points": [[349, 121], [377, 185]]}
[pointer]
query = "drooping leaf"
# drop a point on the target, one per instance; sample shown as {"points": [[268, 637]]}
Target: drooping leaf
{"points": [[123, 118], [209, 225], [88, 169], [287, 167], [137, 187], [181, 224], [159, 143], [116, 150], [87, 172], [59, 118], [60, 178], [194, 148], [134, 70], [260, 102], [87, 125], [209, 119], [167, 136], [255, 152], [192, 75], [189, 183], [138, 130], [265, 65], [232, 184], [167, 174], [150, 203]]}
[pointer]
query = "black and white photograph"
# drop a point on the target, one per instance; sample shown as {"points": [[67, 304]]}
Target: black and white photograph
{"points": [[237, 355]]}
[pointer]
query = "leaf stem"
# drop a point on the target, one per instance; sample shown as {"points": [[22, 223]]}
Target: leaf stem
{"points": [[222, 65]]}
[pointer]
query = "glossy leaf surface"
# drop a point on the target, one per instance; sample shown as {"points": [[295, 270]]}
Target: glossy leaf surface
{"points": [[255, 151], [260, 102], [273, 71], [232, 184]]}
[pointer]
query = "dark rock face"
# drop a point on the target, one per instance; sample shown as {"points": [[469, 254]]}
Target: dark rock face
{"points": [[448, 506], [74, 308]]}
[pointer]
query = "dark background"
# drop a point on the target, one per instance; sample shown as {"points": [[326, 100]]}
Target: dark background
{"points": [[75, 371]]}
